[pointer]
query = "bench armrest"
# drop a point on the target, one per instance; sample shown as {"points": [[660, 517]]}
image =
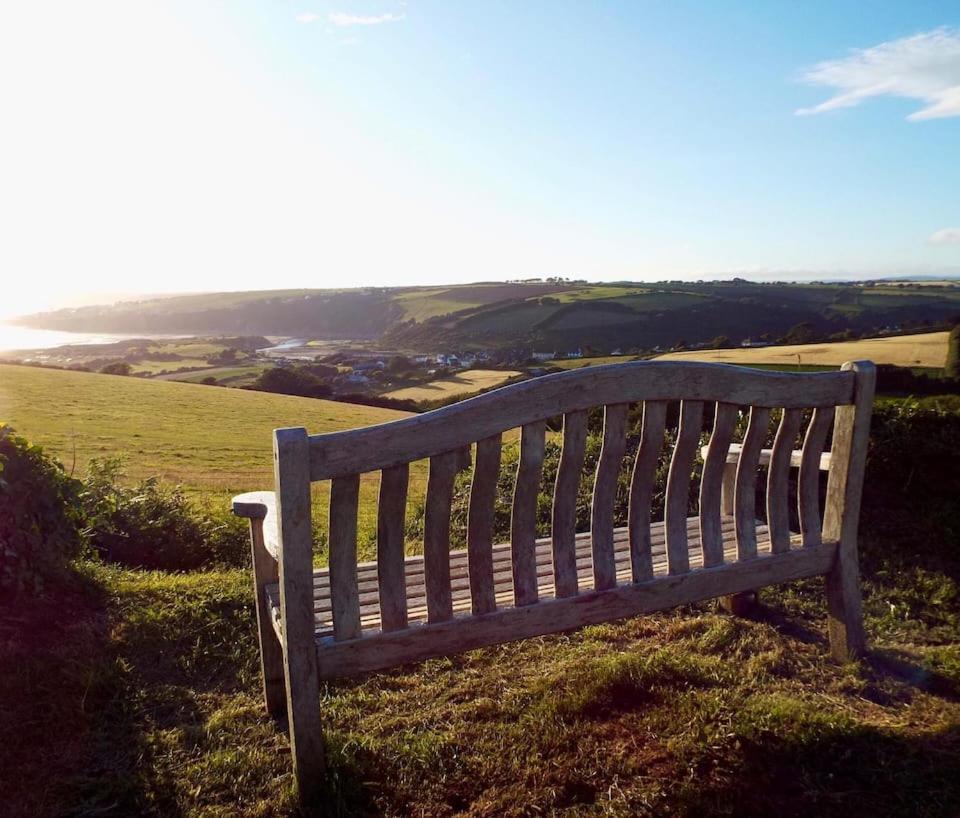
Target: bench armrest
{"points": [[734, 453], [260, 507]]}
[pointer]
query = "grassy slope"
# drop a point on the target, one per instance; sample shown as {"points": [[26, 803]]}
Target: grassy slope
{"points": [[927, 350], [463, 383], [141, 696], [216, 442]]}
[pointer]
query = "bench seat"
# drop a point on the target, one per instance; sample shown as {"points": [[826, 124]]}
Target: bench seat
{"points": [[503, 585]]}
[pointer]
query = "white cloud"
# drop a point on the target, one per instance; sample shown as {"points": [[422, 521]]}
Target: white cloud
{"points": [[924, 67], [341, 18], [307, 17], [949, 235]]}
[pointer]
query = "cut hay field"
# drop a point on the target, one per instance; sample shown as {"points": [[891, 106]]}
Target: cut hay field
{"points": [[463, 383], [924, 350], [578, 363]]}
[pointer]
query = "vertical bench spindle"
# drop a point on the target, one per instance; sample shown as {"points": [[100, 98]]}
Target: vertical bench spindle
{"points": [[808, 483], [641, 488], [745, 502], [523, 523], [391, 580], [778, 481], [436, 535], [564, 523], [605, 493], [344, 593], [483, 495], [711, 484], [678, 485]]}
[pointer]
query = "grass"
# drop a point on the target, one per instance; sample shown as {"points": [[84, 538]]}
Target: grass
{"points": [[138, 693], [214, 442], [925, 350], [463, 383], [579, 363]]}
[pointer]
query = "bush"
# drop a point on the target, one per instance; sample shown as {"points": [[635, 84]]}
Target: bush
{"points": [[41, 527], [116, 368], [153, 525], [953, 353]]}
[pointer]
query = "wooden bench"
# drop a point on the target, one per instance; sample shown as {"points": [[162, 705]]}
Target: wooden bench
{"points": [[356, 617]]}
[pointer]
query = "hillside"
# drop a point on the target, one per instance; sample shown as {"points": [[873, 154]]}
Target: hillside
{"points": [[215, 442], [544, 315]]}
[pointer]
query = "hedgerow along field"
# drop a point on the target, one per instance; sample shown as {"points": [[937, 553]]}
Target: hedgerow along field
{"points": [[927, 350]]}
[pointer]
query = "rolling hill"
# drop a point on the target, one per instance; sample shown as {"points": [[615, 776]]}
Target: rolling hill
{"points": [[543, 315]]}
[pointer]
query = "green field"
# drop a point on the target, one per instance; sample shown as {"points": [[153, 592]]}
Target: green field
{"points": [[215, 442]]}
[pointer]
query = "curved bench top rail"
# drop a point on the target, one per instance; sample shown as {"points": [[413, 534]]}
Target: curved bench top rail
{"points": [[337, 454]]}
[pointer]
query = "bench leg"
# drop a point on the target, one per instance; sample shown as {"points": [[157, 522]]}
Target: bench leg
{"points": [[741, 604], [265, 572], [844, 608]]}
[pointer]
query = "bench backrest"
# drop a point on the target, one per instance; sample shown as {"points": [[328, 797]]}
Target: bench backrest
{"points": [[445, 436]]}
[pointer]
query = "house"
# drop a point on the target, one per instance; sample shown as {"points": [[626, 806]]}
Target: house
{"points": [[544, 356]]}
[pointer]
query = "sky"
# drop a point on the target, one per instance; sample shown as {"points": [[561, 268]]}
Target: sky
{"points": [[154, 147]]}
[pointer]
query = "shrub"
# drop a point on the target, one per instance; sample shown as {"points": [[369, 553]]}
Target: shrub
{"points": [[117, 368], [153, 525], [953, 353], [41, 527]]}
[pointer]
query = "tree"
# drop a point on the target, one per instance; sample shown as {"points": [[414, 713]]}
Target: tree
{"points": [[116, 368], [399, 363], [291, 381], [953, 353]]}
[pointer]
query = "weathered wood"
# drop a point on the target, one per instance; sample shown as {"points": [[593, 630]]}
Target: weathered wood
{"points": [[711, 483], [260, 505], [382, 650], [778, 481], [808, 481], [523, 520], [436, 534], [745, 504], [733, 456], [391, 512], [605, 494], [292, 473], [678, 484], [564, 523], [267, 572], [641, 488], [841, 516], [421, 436], [344, 496], [483, 496]]}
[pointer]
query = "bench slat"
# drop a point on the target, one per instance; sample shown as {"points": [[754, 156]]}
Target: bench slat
{"points": [[605, 494], [641, 487], [391, 509], [564, 520], [808, 483], [523, 522], [778, 480], [436, 534], [379, 650], [678, 484], [711, 483], [483, 495], [344, 494], [745, 502]]}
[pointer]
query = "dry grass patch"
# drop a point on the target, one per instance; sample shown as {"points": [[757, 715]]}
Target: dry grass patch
{"points": [[463, 383], [925, 350]]}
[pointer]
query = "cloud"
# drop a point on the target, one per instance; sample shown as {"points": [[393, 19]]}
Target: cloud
{"points": [[924, 67], [949, 235], [341, 18], [307, 17]]}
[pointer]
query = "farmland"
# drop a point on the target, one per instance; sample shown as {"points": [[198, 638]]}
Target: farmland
{"points": [[463, 383], [215, 442], [927, 350]]}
